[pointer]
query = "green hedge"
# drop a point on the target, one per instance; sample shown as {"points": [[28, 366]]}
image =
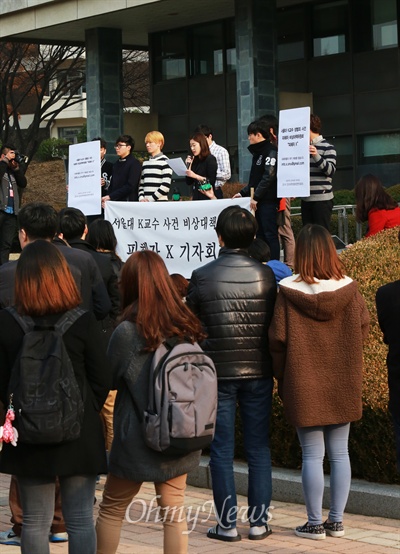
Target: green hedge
{"points": [[50, 149]]}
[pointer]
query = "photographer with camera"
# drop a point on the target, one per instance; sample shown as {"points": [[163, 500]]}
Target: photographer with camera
{"points": [[11, 179]]}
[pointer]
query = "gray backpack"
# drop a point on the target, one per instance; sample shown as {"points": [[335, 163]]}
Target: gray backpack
{"points": [[182, 401]]}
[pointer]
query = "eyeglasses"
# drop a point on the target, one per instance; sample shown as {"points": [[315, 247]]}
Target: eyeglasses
{"points": [[119, 146]]}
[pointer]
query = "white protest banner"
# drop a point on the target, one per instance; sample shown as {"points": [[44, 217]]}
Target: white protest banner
{"points": [[183, 233], [84, 177], [294, 153]]}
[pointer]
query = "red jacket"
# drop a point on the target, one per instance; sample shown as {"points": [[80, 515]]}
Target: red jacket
{"points": [[382, 219]]}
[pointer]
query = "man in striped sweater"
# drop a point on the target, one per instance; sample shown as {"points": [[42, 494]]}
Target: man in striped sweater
{"points": [[317, 208], [156, 173]]}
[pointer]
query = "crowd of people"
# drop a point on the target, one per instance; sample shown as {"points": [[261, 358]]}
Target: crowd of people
{"points": [[256, 318]]}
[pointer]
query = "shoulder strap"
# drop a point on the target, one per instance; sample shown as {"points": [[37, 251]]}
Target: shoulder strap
{"points": [[68, 319], [24, 321], [63, 324]]}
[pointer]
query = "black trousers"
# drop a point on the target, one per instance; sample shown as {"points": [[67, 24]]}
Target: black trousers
{"points": [[8, 230], [319, 213]]}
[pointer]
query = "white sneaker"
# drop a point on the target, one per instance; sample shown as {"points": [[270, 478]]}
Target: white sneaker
{"points": [[58, 537], [10, 538]]}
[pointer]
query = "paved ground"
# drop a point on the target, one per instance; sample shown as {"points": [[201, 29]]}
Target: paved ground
{"points": [[364, 535]]}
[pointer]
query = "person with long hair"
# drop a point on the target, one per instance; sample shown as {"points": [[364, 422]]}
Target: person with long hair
{"points": [[152, 311], [316, 340], [202, 167], [45, 290], [375, 205]]}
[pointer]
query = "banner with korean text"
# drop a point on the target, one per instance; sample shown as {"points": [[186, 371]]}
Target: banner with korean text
{"points": [[183, 233]]}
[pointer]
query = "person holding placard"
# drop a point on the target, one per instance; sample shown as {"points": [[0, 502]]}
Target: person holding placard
{"points": [[317, 208], [263, 146]]}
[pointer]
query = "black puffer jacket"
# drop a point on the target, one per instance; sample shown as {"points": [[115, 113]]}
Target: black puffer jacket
{"points": [[234, 297]]}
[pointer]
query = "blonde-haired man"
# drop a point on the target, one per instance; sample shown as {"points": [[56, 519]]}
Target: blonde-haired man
{"points": [[156, 173]]}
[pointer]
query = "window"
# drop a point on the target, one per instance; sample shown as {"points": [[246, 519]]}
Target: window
{"points": [[384, 148], [170, 55], [330, 28], [384, 23], [291, 29], [207, 57], [230, 46], [344, 151], [208, 49], [69, 133]]}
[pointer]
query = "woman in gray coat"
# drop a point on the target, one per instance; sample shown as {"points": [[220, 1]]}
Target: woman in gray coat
{"points": [[152, 311]]}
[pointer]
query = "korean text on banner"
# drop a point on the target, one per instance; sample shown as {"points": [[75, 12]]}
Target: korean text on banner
{"points": [[183, 233]]}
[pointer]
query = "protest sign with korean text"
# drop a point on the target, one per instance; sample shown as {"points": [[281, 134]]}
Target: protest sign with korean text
{"points": [[294, 153], [183, 233], [84, 177]]}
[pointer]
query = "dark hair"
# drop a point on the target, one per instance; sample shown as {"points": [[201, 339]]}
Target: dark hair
{"points": [[126, 138], [43, 281], [7, 147], [315, 124], [237, 227], [203, 129], [315, 255], [38, 220], [101, 235], [263, 126], [370, 193], [150, 299], [181, 284], [103, 143], [71, 223], [204, 148], [259, 250]]}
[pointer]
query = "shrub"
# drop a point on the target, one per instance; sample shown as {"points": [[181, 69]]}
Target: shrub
{"points": [[343, 197], [52, 148], [394, 191]]}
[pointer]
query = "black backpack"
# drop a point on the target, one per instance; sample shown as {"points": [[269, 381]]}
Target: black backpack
{"points": [[47, 400], [182, 399]]}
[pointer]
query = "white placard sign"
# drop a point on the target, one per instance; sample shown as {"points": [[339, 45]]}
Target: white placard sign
{"points": [[84, 177], [294, 153], [183, 233]]}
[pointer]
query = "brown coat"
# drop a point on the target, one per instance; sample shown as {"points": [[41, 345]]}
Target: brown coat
{"points": [[316, 342]]}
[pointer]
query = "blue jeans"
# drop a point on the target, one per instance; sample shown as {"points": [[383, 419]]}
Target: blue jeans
{"points": [[267, 227], [37, 498], [254, 397], [313, 441]]}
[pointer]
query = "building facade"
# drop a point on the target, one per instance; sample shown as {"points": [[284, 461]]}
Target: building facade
{"points": [[227, 62]]}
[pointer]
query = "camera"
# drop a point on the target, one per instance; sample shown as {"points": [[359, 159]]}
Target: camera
{"points": [[20, 158]]}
